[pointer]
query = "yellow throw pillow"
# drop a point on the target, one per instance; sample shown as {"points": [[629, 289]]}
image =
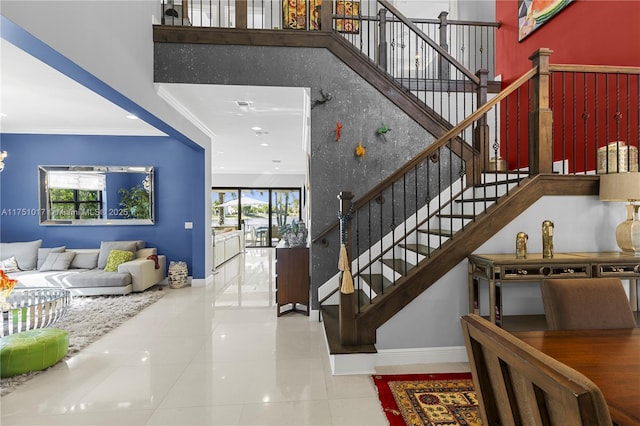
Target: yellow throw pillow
{"points": [[116, 257]]}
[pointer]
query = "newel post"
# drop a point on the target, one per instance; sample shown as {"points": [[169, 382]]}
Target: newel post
{"points": [[481, 137], [443, 65], [541, 116], [241, 13], [348, 334], [382, 46], [326, 16]]}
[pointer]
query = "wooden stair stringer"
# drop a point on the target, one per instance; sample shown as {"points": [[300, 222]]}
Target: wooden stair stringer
{"points": [[430, 270]]}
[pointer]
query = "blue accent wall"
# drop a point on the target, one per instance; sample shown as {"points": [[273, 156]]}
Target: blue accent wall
{"points": [[179, 187], [179, 165]]}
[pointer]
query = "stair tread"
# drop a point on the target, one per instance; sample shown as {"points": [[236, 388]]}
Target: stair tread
{"points": [[476, 199], [420, 248], [377, 282], [399, 265], [498, 182], [456, 215], [437, 231], [330, 317]]}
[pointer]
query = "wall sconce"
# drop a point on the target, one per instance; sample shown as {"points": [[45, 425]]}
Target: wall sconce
{"points": [[624, 187], [3, 155]]}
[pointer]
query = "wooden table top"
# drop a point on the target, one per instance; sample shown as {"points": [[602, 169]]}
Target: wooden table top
{"points": [[610, 358]]}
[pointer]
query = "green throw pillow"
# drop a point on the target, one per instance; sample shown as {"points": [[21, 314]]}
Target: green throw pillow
{"points": [[116, 257]]}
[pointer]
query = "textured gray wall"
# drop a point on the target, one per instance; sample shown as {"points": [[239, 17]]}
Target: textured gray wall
{"points": [[356, 104]]}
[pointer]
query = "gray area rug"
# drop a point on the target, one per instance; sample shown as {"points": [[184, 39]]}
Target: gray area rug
{"points": [[88, 319]]}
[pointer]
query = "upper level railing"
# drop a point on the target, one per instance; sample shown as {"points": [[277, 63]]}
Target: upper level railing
{"points": [[434, 59]]}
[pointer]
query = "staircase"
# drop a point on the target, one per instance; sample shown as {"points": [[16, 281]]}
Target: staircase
{"points": [[409, 230], [401, 278]]}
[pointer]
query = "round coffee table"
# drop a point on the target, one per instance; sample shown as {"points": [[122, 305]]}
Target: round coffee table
{"points": [[33, 308]]}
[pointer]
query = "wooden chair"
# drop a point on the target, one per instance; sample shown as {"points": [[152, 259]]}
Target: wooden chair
{"points": [[517, 384], [586, 303]]}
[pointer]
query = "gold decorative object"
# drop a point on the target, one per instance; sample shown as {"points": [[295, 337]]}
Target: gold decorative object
{"points": [[617, 157], [6, 287], [497, 164], [624, 187], [521, 245], [547, 239]]}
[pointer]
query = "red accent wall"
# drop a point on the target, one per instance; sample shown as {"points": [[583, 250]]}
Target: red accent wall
{"points": [[585, 116], [594, 32]]}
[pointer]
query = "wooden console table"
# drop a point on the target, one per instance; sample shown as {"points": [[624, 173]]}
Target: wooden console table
{"points": [[500, 269]]}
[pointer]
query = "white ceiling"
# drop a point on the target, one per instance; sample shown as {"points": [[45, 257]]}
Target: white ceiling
{"points": [[35, 98]]}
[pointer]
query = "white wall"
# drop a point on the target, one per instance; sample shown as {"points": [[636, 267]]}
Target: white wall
{"points": [[433, 319], [422, 8], [113, 40], [257, 180]]}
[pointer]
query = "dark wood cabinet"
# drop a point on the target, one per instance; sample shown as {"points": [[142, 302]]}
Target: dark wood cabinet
{"points": [[292, 279]]}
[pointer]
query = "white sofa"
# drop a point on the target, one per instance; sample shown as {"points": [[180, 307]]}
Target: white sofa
{"points": [[228, 243], [82, 271]]}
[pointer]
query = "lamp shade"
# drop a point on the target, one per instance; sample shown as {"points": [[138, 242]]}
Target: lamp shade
{"points": [[620, 186]]}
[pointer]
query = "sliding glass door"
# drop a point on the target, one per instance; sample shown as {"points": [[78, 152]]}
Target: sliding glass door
{"points": [[261, 212], [285, 208]]}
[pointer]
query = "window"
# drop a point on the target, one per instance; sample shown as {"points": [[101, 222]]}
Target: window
{"points": [[261, 212], [76, 204]]}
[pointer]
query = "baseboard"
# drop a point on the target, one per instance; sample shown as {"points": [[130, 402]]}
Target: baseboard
{"points": [[345, 364], [201, 282], [421, 355], [314, 315]]}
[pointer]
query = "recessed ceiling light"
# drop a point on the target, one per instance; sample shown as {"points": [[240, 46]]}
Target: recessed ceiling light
{"points": [[222, 167], [264, 144], [220, 152], [132, 117], [2, 114], [256, 128]]}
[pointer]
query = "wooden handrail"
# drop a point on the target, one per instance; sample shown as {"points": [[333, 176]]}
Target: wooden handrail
{"points": [[594, 69], [431, 149]]}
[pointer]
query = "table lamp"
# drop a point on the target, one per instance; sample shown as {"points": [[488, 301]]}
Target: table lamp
{"points": [[624, 187]]}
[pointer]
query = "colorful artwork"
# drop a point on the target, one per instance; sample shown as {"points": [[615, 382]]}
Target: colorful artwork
{"points": [[314, 14], [534, 13], [338, 131], [347, 8], [294, 14]]}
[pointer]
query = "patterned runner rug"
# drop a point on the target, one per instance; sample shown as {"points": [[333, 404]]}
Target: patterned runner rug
{"points": [[428, 399]]}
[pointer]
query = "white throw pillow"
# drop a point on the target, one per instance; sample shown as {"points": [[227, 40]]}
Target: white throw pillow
{"points": [[58, 261], [9, 265], [26, 253], [44, 252]]}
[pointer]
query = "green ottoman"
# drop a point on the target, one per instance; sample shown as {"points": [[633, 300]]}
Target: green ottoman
{"points": [[32, 350]]}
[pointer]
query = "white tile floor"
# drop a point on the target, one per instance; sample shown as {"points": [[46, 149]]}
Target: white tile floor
{"points": [[214, 355]]}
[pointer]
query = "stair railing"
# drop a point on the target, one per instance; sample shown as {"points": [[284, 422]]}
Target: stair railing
{"points": [[426, 197], [387, 222], [430, 58], [402, 49], [592, 104]]}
